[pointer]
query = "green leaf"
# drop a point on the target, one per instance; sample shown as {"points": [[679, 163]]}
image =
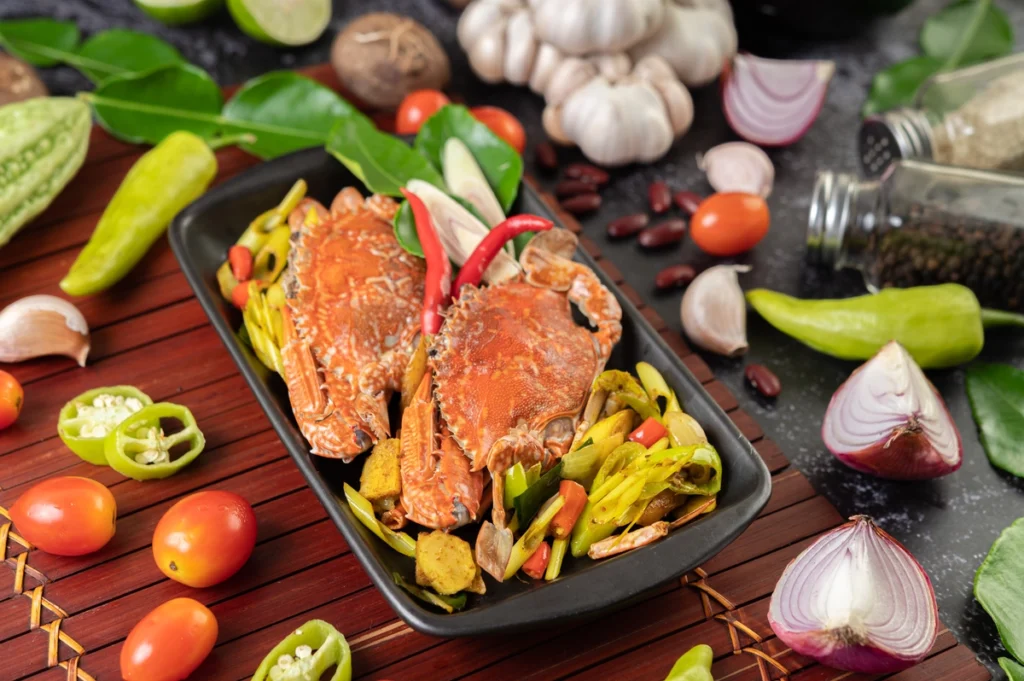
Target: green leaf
{"points": [[999, 587], [286, 112], [941, 34], [118, 51], [897, 85], [149, 106], [42, 42], [1013, 670], [996, 393], [405, 226], [502, 166], [383, 163]]}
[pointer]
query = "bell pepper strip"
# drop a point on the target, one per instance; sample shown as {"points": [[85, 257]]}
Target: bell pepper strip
{"points": [[649, 432], [515, 483], [138, 448], [85, 421], [439, 269], [476, 264], [695, 665], [627, 541], [656, 387], [586, 532], [363, 510], [447, 603], [575, 499], [537, 564], [306, 653], [559, 547], [527, 503], [534, 536]]}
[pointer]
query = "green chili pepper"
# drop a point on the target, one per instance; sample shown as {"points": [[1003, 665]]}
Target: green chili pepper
{"points": [[139, 449], [363, 510], [695, 665], [447, 603], [306, 654], [940, 326], [160, 184], [85, 421], [515, 483]]}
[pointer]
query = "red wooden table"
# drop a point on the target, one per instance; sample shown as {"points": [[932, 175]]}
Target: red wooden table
{"points": [[66, 618]]}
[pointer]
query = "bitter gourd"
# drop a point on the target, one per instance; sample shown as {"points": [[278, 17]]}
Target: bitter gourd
{"points": [[43, 143]]}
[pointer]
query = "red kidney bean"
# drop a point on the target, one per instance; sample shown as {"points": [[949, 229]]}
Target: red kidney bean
{"points": [[585, 171], [659, 196], [567, 188], [674, 276], [627, 225], [547, 157], [687, 201], [763, 380], [663, 234], [581, 203]]}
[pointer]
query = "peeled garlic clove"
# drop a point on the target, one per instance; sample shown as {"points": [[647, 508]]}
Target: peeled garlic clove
{"points": [[43, 325], [714, 313]]}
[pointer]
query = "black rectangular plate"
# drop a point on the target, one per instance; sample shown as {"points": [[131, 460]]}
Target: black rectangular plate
{"points": [[201, 236]]}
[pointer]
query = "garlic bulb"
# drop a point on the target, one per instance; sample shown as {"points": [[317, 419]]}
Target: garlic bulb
{"points": [[697, 38], [714, 312], [43, 325], [586, 26]]}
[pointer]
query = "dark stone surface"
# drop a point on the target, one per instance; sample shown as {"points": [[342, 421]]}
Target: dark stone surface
{"points": [[948, 524]]}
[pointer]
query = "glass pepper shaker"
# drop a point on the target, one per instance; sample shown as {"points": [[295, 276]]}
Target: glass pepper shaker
{"points": [[924, 223], [971, 117]]}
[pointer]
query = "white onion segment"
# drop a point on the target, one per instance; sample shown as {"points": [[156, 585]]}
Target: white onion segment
{"points": [[887, 419], [856, 600], [773, 102]]}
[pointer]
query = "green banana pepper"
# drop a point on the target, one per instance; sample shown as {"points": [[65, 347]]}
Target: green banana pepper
{"points": [[306, 654], [940, 326], [85, 421], [695, 665], [167, 178], [138, 448]]}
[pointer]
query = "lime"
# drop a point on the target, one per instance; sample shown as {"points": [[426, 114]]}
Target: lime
{"points": [[282, 22], [175, 12]]}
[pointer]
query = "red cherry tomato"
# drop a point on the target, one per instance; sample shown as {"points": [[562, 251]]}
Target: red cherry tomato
{"points": [[503, 124], [66, 516], [11, 399], [730, 223], [169, 643], [205, 538], [649, 432], [416, 108]]}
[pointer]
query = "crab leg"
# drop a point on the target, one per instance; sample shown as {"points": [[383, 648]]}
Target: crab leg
{"points": [[517, 447]]}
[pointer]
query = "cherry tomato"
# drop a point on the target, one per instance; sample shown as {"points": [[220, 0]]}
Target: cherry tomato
{"points": [[648, 432], [11, 399], [66, 516], [169, 643], [503, 124], [205, 538], [729, 223], [416, 108]]}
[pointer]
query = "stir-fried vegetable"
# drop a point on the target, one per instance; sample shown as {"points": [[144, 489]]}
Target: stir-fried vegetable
{"points": [[683, 429], [527, 503], [586, 531], [537, 564], [445, 563], [515, 483], [575, 499], [656, 387], [447, 603], [381, 480], [534, 536], [619, 423], [306, 654], [624, 389], [265, 328], [583, 463], [649, 432], [363, 510], [558, 549]]}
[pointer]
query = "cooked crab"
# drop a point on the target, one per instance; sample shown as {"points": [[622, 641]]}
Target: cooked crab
{"points": [[350, 324]]}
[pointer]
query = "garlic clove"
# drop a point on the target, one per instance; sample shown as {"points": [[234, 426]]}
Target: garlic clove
{"points": [[520, 48], [714, 312], [612, 66], [43, 325], [552, 121], [487, 55], [544, 65], [678, 102], [738, 167], [571, 75]]}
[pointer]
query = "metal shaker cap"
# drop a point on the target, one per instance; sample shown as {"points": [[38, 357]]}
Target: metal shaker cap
{"points": [[892, 136], [828, 216]]}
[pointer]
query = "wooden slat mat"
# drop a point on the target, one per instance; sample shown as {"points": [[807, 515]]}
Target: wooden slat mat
{"points": [[64, 618]]}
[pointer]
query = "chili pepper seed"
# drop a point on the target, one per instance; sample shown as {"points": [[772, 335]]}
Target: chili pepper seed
{"points": [[763, 380], [627, 225], [663, 234]]}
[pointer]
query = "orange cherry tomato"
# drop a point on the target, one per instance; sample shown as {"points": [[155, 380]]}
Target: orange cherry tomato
{"points": [[11, 399], [416, 108], [503, 124], [66, 516], [205, 538], [729, 223], [169, 643]]}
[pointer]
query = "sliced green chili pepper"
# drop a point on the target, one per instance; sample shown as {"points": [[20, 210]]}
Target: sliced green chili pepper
{"points": [[940, 326], [85, 421], [139, 449], [363, 509], [656, 387], [695, 665], [447, 603], [306, 654], [167, 178], [271, 260]]}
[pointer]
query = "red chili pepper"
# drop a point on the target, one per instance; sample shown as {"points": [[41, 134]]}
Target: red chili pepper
{"points": [[439, 269], [649, 432], [484, 253]]}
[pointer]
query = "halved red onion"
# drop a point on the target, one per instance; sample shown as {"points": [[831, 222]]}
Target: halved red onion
{"points": [[773, 102], [856, 600], [888, 420]]}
